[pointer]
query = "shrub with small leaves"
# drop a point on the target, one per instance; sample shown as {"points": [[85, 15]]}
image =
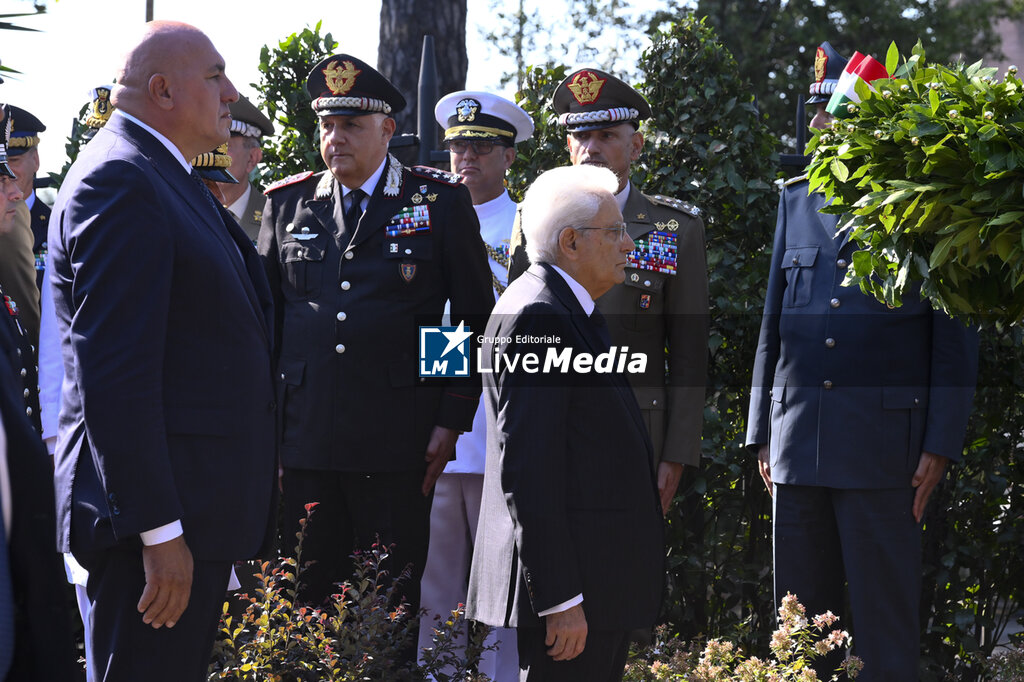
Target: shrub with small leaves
{"points": [[928, 173]]}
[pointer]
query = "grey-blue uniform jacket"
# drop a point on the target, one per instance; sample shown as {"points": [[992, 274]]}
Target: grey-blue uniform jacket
{"points": [[348, 307], [846, 391]]}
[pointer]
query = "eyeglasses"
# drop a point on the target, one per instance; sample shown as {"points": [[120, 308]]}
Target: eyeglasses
{"points": [[618, 227], [480, 147]]}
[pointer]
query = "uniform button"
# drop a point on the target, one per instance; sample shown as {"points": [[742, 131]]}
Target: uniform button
{"points": [[340, 348], [916, 401], [834, 303], [27, 393], [830, 343], [282, 376], [647, 282], [842, 263], [28, 411], [345, 286], [349, 255], [796, 260], [24, 372], [408, 252], [341, 316], [271, 406], [289, 227], [19, 352], [827, 384]]}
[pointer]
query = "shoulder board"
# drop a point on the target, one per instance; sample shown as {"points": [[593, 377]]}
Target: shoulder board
{"points": [[290, 180], [793, 181], [435, 174], [676, 204]]}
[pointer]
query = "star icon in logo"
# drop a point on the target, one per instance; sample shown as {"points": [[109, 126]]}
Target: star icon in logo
{"points": [[456, 337]]}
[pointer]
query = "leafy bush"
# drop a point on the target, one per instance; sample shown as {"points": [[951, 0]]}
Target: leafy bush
{"points": [[928, 174], [795, 645], [282, 94]]}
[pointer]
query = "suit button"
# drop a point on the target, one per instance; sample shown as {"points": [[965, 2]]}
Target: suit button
{"points": [[345, 286], [341, 316], [827, 384], [340, 348], [841, 263], [835, 303], [349, 255], [830, 343]]}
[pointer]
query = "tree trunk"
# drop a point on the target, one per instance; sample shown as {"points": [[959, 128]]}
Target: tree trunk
{"points": [[403, 23]]}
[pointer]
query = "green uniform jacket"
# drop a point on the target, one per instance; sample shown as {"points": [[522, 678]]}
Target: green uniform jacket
{"points": [[252, 216], [663, 315]]}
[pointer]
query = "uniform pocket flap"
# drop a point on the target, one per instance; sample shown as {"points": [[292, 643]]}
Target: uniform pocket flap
{"points": [[644, 279], [290, 372], [298, 251], [902, 398], [799, 257], [417, 247]]}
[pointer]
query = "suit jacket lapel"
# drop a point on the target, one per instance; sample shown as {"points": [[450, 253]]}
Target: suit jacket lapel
{"points": [[178, 179]]}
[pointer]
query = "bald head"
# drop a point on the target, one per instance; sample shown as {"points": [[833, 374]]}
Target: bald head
{"points": [[173, 80]]}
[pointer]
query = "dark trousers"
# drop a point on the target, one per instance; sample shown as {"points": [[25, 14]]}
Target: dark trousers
{"points": [[125, 648], [867, 539], [353, 510], [603, 658]]}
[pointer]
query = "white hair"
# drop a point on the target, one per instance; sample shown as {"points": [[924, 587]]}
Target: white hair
{"points": [[569, 196]]}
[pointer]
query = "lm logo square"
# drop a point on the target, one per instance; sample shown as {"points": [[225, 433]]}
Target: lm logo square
{"points": [[444, 351]]}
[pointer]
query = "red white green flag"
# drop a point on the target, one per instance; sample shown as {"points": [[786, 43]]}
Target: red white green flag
{"points": [[859, 68]]}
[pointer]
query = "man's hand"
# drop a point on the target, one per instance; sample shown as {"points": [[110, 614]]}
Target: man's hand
{"points": [[765, 467], [566, 633], [439, 451], [929, 472], [168, 567], [668, 481]]}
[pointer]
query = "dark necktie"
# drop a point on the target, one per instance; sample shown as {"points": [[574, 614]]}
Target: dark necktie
{"points": [[205, 191], [355, 209], [601, 327]]}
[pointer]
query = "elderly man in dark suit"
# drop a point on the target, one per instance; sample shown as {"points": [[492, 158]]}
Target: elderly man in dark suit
{"points": [[569, 546], [165, 457], [855, 411]]}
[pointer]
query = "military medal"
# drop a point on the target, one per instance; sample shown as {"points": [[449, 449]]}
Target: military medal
{"points": [[410, 220], [655, 251], [417, 198]]}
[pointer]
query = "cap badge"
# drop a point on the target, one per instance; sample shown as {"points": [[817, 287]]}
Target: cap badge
{"points": [[820, 64], [586, 87], [341, 80], [467, 110]]}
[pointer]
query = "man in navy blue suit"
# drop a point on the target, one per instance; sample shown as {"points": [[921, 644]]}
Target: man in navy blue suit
{"points": [[855, 411], [165, 469]]}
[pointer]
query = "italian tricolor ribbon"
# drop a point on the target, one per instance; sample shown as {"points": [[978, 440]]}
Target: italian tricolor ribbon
{"points": [[860, 67]]}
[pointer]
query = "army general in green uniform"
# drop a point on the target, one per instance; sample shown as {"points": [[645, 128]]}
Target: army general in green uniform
{"points": [[662, 306]]}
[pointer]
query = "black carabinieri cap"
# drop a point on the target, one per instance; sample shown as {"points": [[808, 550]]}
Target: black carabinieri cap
{"points": [[590, 99], [342, 85], [828, 66]]}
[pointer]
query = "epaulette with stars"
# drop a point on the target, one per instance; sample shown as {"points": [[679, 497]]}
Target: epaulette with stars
{"points": [[793, 181], [290, 180], [676, 204], [435, 174]]}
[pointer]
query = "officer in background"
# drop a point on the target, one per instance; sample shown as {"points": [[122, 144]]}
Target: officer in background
{"points": [[481, 131], [23, 156], [242, 199], [359, 257], [663, 302], [856, 409]]}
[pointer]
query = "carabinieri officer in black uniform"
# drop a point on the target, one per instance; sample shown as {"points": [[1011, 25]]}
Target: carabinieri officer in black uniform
{"points": [[358, 258]]}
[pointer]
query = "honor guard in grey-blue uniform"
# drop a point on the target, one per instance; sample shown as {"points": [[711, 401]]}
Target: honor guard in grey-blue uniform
{"points": [[855, 411], [241, 197], [359, 257], [661, 309]]}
